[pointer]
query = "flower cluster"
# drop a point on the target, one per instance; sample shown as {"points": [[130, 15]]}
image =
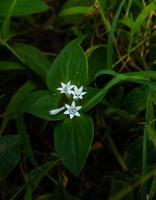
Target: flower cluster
{"points": [[76, 94]]}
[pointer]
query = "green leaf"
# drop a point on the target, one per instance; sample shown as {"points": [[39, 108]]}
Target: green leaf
{"points": [[142, 16], [133, 155], [150, 112], [23, 7], [72, 141], [6, 65], [101, 6], [43, 105], [6, 22], [76, 10], [127, 21], [152, 191], [105, 72], [14, 105], [9, 154], [151, 133], [145, 74], [135, 101], [21, 129], [111, 35], [32, 98], [34, 58], [96, 60], [118, 184], [96, 98], [70, 65], [36, 176]]}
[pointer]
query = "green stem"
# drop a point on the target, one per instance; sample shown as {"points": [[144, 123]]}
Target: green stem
{"points": [[125, 191], [116, 153], [105, 21], [21, 129], [143, 188]]}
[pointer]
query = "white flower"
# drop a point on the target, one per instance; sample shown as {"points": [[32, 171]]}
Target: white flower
{"points": [[78, 93], [56, 111], [147, 196], [66, 88], [72, 110]]}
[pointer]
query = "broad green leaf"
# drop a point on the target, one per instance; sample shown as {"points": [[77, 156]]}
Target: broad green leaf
{"points": [[9, 154], [135, 101], [72, 141], [43, 105], [96, 61], [7, 65], [32, 98], [70, 65], [23, 7], [76, 10], [71, 3], [14, 104], [34, 58]]}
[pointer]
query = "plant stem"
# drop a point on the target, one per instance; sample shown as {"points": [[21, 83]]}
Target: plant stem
{"points": [[125, 191], [116, 153], [105, 21]]}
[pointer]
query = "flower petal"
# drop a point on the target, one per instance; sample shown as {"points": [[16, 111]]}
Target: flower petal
{"points": [[77, 114], [71, 116]]}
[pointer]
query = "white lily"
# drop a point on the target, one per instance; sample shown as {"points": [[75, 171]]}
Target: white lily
{"points": [[72, 110], [66, 88], [78, 93], [56, 111]]}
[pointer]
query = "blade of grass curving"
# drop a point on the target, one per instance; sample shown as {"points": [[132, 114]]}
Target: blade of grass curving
{"points": [[142, 16], [125, 191], [111, 35], [105, 21], [36, 177], [21, 129], [143, 188], [150, 123], [152, 190], [116, 153], [6, 23], [139, 21], [128, 7]]}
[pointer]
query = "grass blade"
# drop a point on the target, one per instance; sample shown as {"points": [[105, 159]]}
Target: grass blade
{"points": [[21, 129], [111, 36]]}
